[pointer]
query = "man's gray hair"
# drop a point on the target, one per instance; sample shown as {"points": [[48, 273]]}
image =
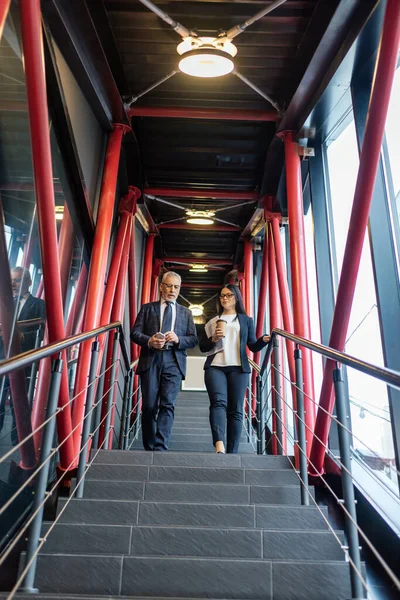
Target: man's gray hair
{"points": [[171, 274], [25, 273]]}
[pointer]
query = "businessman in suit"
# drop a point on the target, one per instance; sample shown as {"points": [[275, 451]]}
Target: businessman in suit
{"points": [[27, 307], [164, 330]]}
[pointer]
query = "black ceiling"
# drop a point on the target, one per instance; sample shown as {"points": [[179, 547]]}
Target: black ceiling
{"points": [[117, 48], [210, 154]]}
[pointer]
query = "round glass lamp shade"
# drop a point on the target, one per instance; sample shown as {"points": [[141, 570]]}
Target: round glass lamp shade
{"points": [[199, 221], [206, 63], [206, 57], [196, 310], [200, 217]]}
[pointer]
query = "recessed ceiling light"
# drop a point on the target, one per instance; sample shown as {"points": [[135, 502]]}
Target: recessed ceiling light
{"points": [[206, 56], [200, 217], [196, 309], [59, 213], [199, 269]]}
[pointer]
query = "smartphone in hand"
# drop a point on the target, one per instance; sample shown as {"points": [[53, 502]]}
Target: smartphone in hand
{"points": [[159, 335]]}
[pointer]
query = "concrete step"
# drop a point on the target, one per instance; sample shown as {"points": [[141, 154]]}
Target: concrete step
{"points": [[215, 474], [202, 436], [189, 446], [192, 492], [176, 459], [129, 513], [192, 578], [191, 541]]}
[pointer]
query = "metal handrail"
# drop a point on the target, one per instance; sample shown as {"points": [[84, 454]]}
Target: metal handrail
{"points": [[254, 365], [387, 375], [27, 358]]}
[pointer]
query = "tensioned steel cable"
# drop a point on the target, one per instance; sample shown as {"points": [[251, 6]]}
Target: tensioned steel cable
{"points": [[343, 548], [48, 493], [57, 411], [337, 458], [388, 570], [334, 418], [44, 539], [53, 453]]}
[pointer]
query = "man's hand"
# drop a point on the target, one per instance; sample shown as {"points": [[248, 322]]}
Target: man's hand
{"points": [[266, 338], [171, 337], [157, 342]]}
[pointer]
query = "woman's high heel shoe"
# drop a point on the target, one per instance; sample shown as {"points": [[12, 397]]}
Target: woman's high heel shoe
{"points": [[219, 448]]}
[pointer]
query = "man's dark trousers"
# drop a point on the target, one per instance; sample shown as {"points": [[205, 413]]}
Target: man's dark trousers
{"points": [[160, 386]]}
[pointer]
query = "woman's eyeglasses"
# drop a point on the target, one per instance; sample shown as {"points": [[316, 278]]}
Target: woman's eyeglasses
{"points": [[227, 296]]}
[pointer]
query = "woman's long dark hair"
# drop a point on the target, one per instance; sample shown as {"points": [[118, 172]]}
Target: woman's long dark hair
{"points": [[239, 306]]}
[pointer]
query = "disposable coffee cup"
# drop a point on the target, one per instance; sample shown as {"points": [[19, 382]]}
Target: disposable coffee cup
{"points": [[221, 323]]}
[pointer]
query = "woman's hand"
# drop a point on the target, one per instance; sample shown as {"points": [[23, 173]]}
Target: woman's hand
{"points": [[218, 335], [266, 338]]}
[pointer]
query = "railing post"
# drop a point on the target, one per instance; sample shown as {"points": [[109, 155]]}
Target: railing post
{"points": [[41, 485], [80, 476], [99, 402], [110, 394], [125, 424], [347, 485], [34, 367], [278, 396], [137, 413], [301, 428], [249, 411], [260, 445]]}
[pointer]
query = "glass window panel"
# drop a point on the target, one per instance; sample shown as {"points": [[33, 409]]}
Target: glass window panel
{"points": [[392, 134], [368, 396], [313, 299]]}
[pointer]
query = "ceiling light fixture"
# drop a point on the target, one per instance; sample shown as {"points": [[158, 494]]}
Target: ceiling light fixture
{"points": [[196, 310], [200, 217], [206, 56], [199, 269], [59, 213]]}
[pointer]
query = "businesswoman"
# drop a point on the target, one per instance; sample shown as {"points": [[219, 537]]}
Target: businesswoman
{"points": [[227, 367]]}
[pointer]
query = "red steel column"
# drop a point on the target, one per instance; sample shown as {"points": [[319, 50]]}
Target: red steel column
{"points": [[147, 269], [249, 302], [301, 311], [78, 303], [127, 207], [273, 308], [276, 321], [4, 7], [285, 298], [157, 266], [262, 301], [132, 291], [17, 378], [117, 314], [65, 250], [31, 28], [369, 159], [97, 271], [248, 274]]}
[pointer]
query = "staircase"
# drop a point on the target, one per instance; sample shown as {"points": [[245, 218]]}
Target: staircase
{"points": [[191, 525], [191, 431]]}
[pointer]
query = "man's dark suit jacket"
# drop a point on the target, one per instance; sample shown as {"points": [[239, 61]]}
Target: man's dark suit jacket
{"points": [[247, 338], [34, 308], [148, 323]]}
